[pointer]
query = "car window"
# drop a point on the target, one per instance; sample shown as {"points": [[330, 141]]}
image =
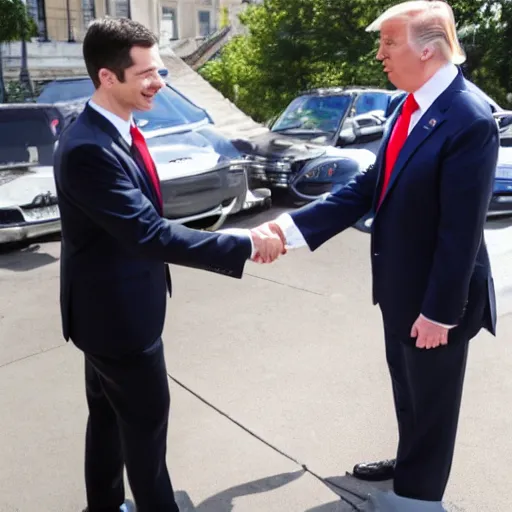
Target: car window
{"points": [[315, 113], [28, 136], [506, 132], [370, 101], [66, 90], [170, 109]]}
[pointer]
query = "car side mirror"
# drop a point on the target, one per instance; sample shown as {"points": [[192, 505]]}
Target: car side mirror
{"points": [[348, 134]]}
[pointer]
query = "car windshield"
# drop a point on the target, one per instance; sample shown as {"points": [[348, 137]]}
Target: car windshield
{"points": [[27, 136], [170, 108], [313, 113]]}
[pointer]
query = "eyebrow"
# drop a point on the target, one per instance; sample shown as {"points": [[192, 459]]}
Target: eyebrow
{"points": [[147, 70]]}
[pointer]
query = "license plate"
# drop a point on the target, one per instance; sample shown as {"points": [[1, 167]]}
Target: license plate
{"points": [[43, 213]]}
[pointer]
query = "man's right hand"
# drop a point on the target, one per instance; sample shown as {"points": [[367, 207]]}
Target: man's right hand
{"points": [[269, 242]]}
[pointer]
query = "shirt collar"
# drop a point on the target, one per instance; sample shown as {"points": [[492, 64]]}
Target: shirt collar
{"points": [[433, 88], [122, 126]]}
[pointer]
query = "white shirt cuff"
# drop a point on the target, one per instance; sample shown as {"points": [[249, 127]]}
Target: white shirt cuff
{"points": [[292, 234], [240, 232], [438, 323]]}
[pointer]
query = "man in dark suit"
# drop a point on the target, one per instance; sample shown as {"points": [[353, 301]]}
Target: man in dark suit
{"points": [[429, 190], [114, 279]]}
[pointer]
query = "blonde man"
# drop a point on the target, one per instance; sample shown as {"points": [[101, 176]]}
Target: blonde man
{"points": [[429, 190]]}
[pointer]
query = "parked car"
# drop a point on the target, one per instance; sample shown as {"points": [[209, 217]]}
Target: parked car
{"points": [[28, 202], [203, 175], [305, 150], [501, 202]]}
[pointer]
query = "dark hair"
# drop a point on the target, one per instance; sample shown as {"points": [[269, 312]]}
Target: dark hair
{"points": [[108, 42]]}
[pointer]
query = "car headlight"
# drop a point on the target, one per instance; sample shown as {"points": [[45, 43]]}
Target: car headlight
{"points": [[504, 172], [325, 171], [312, 174]]}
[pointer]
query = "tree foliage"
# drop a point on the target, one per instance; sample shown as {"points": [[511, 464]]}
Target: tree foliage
{"points": [[293, 45], [15, 22]]}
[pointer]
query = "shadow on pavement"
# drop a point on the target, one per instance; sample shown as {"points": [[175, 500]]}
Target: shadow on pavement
{"points": [[499, 222], [223, 501], [21, 258]]}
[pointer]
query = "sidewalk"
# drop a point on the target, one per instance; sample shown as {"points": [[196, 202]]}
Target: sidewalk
{"points": [[293, 352]]}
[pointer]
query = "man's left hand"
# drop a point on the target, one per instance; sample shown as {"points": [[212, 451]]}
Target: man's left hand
{"points": [[429, 334]]}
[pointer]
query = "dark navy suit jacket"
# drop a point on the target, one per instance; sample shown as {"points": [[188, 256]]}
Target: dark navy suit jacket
{"points": [[428, 250], [115, 243]]}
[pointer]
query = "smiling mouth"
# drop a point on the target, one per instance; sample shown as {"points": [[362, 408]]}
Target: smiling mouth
{"points": [[148, 96]]}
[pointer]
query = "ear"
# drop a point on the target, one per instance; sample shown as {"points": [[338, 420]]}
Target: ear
{"points": [[106, 77], [428, 52]]}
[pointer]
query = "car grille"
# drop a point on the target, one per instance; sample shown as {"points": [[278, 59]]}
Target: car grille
{"points": [[10, 216]]}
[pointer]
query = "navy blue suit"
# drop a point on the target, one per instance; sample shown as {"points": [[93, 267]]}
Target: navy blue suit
{"points": [[114, 283], [428, 256]]}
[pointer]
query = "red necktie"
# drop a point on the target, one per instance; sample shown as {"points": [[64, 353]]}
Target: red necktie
{"points": [[139, 142], [397, 140]]}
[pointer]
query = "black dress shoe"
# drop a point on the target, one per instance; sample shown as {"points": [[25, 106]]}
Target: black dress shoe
{"points": [[375, 471]]}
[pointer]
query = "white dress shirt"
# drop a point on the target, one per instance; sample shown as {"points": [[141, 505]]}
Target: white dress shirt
{"points": [[425, 97], [120, 124]]}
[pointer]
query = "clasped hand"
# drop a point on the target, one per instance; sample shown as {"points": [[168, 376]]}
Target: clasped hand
{"points": [[269, 242]]}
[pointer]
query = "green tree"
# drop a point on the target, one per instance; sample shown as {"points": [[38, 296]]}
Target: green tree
{"points": [[488, 44], [15, 25], [293, 45]]}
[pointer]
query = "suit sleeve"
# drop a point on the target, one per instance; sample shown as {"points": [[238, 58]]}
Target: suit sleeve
{"points": [[466, 183], [330, 215], [96, 183]]}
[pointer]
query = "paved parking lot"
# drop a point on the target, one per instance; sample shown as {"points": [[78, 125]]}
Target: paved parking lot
{"points": [[293, 352]]}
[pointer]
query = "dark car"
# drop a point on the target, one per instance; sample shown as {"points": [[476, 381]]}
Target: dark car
{"points": [[501, 202], [203, 175], [28, 201], [306, 150]]}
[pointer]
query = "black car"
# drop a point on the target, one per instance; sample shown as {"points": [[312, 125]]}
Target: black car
{"points": [[306, 150]]}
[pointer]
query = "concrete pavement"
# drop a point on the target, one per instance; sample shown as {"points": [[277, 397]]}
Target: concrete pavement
{"points": [[293, 351]]}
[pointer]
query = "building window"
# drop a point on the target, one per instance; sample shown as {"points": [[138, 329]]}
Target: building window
{"points": [[88, 12], [36, 9], [169, 24], [204, 23], [118, 8], [123, 9]]}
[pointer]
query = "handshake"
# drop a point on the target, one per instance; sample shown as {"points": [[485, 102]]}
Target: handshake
{"points": [[269, 242]]}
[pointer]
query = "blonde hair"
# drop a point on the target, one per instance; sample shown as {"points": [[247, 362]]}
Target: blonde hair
{"points": [[429, 23]]}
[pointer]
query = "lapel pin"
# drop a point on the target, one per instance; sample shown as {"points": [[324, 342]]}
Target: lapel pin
{"points": [[432, 122]]}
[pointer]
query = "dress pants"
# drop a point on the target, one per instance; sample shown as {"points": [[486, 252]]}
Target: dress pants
{"points": [[427, 390], [128, 399]]}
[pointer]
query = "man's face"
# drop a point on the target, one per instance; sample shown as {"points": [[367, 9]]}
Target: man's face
{"points": [[141, 81], [400, 61]]}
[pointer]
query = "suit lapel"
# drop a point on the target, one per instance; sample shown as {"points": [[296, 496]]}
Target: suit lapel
{"points": [[107, 127], [118, 139], [381, 155], [424, 128]]}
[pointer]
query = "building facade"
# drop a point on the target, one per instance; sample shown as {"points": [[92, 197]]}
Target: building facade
{"points": [[67, 20], [57, 51]]}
